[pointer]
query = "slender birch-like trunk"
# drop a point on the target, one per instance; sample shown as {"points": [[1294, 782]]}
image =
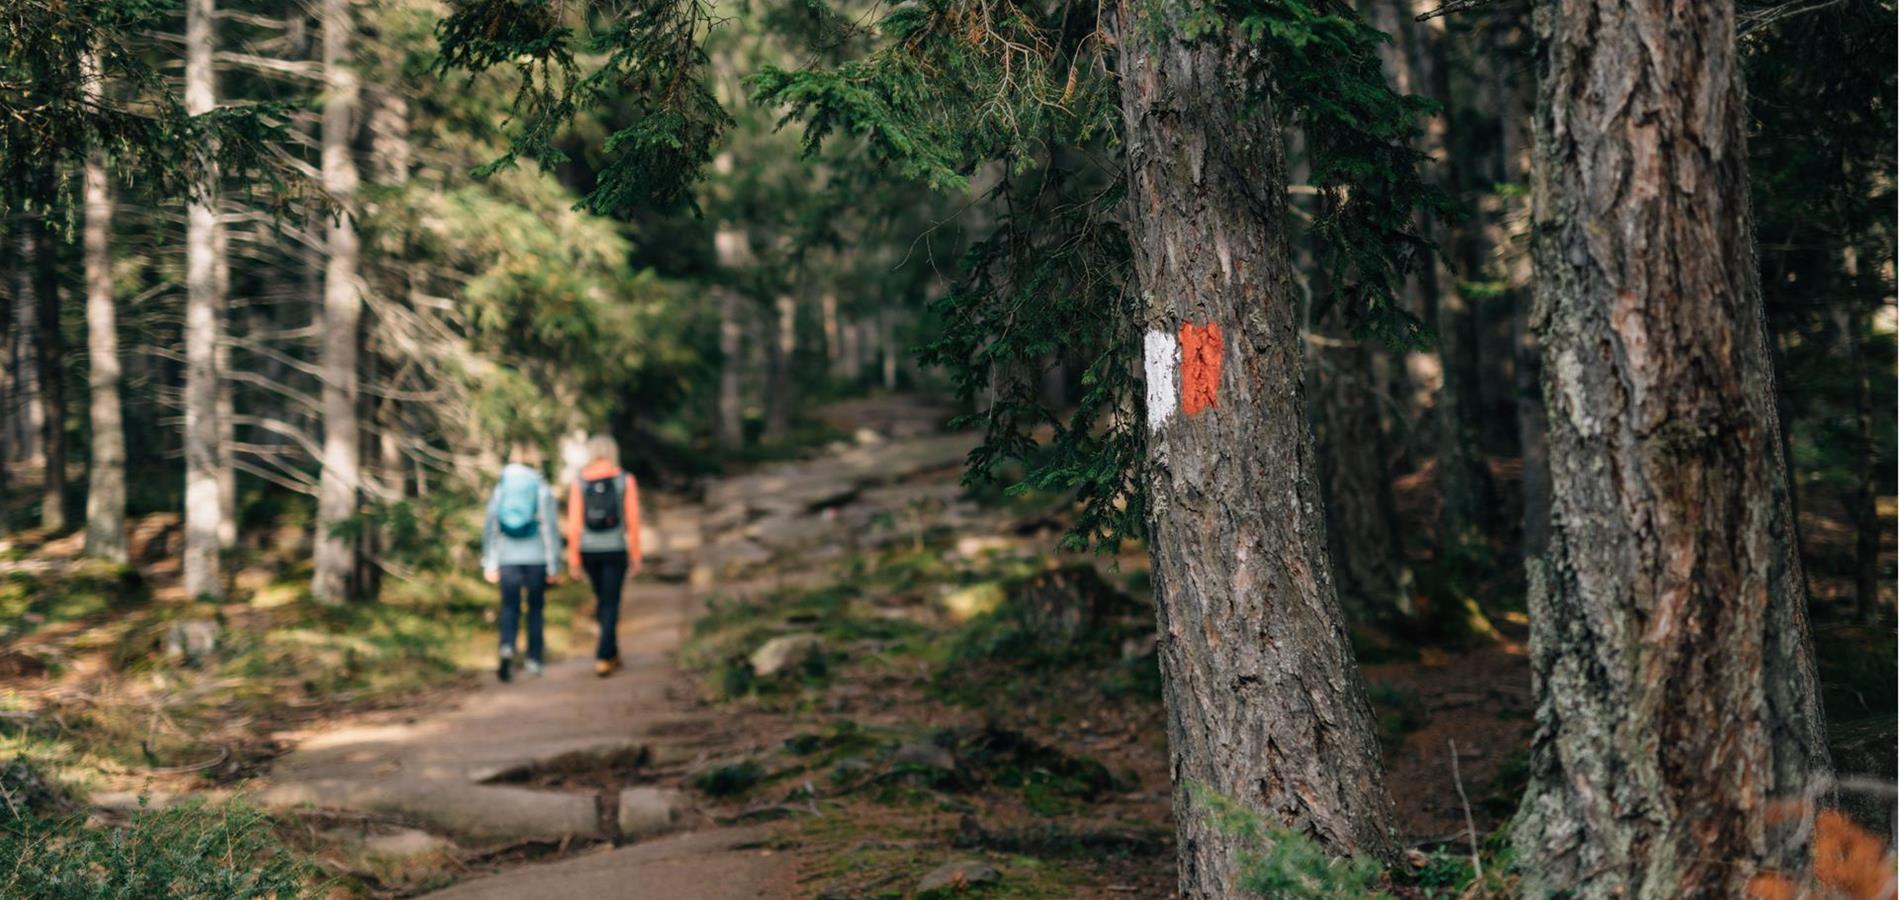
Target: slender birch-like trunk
{"points": [[49, 355], [105, 475], [778, 374], [341, 479], [227, 400], [730, 245], [204, 504]]}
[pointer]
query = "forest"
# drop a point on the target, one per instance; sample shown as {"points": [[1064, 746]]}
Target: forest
{"points": [[1416, 449]]}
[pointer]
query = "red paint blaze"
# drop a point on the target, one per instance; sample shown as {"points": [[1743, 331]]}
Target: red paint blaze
{"points": [[1201, 350]]}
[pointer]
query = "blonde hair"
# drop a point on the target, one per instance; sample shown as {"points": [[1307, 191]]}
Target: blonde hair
{"points": [[603, 446]]}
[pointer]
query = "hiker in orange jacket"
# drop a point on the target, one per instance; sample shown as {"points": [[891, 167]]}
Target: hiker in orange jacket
{"points": [[603, 538]]}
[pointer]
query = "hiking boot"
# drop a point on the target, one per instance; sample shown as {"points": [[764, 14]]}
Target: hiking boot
{"points": [[505, 671], [534, 668], [606, 667]]}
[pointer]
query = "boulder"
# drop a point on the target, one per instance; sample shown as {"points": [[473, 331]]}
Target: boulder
{"points": [[966, 603], [191, 641], [785, 652], [957, 877]]}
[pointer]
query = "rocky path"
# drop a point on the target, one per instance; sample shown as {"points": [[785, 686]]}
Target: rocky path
{"points": [[548, 759], [468, 773], [577, 759]]}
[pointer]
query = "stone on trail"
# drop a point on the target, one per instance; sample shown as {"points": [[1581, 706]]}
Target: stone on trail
{"points": [[966, 603], [404, 843], [784, 652], [649, 810], [927, 756], [956, 877]]}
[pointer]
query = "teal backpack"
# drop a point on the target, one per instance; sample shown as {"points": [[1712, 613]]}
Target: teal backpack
{"points": [[518, 508]]}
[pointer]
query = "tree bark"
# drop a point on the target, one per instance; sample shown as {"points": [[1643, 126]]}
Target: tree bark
{"points": [[204, 505], [1265, 705], [730, 245], [105, 488], [778, 375], [49, 353], [1669, 642], [341, 480]]}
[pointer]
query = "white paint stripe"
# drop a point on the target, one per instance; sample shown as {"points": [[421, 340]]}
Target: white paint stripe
{"points": [[1161, 359]]}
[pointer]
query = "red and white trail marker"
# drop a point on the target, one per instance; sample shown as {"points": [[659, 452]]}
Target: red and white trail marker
{"points": [[1183, 370]]}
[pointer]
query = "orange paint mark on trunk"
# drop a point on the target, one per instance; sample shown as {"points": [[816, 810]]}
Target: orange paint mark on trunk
{"points": [[1201, 350]]}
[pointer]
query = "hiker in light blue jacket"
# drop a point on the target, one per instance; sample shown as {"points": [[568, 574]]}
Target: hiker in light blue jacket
{"points": [[521, 551]]}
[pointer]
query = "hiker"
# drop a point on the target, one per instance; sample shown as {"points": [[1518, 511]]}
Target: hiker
{"points": [[521, 551], [603, 538]]}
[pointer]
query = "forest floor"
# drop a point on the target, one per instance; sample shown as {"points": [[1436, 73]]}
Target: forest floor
{"points": [[848, 676]]}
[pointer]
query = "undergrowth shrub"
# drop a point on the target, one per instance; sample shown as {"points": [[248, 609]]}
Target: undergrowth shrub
{"points": [[1279, 862], [190, 850]]}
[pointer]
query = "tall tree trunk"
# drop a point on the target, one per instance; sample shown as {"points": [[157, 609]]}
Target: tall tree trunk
{"points": [[733, 252], [26, 414], [1512, 246], [1361, 517], [851, 351], [828, 311], [1362, 527], [227, 395], [342, 315], [10, 265], [391, 149], [871, 343], [1054, 382], [105, 488], [1669, 644], [227, 400], [887, 339], [778, 374], [49, 354], [1265, 705], [204, 505], [1526, 374], [1864, 513], [1464, 484]]}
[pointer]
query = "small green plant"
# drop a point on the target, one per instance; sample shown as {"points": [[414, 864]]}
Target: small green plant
{"points": [[729, 780], [190, 850], [1280, 862], [1445, 874]]}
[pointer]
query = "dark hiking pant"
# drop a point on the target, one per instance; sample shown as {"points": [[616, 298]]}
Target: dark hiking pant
{"points": [[516, 581], [607, 572]]}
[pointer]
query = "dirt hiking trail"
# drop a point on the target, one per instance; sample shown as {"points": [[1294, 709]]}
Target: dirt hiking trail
{"points": [[568, 760], [511, 763]]}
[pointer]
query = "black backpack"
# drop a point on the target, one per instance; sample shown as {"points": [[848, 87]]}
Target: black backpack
{"points": [[601, 503]]}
